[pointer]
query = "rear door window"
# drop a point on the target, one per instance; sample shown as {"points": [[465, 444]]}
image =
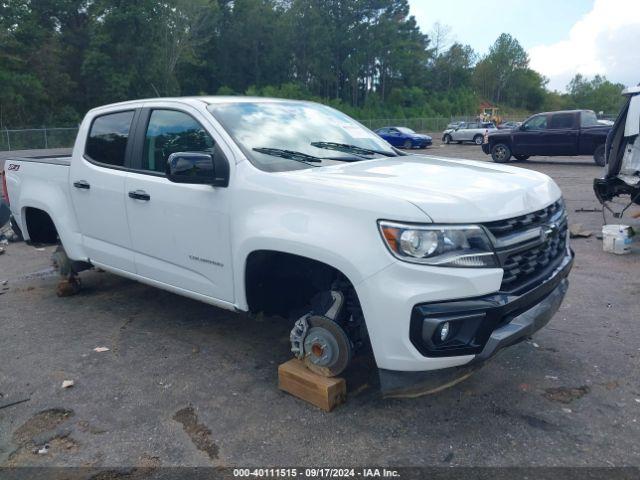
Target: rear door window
{"points": [[561, 121], [108, 136]]}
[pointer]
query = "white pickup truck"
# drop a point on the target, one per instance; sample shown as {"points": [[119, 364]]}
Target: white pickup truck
{"points": [[293, 208]]}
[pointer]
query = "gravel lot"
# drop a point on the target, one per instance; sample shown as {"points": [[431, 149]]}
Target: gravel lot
{"points": [[187, 384]]}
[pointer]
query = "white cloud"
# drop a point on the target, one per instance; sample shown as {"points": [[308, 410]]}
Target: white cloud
{"points": [[605, 41]]}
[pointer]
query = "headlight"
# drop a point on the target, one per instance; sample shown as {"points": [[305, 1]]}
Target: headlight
{"points": [[445, 245]]}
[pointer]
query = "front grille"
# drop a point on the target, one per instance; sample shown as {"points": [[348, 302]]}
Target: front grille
{"points": [[525, 263], [524, 222]]}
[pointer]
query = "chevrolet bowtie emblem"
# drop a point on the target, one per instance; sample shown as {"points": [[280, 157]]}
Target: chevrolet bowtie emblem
{"points": [[547, 231]]}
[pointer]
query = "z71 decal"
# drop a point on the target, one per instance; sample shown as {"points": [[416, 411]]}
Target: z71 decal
{"points": [[13, 166]]}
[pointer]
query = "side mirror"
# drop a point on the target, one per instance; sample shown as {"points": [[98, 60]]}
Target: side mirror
{"points": [[196, 168]]}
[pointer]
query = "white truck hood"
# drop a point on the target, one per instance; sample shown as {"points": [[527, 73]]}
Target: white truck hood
{"points": [[447, 190]]}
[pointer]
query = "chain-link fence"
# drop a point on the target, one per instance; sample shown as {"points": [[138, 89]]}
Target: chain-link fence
{"points": [[35, 138]]}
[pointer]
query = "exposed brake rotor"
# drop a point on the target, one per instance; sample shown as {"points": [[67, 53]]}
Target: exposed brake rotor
{"points": [[327, 349]]}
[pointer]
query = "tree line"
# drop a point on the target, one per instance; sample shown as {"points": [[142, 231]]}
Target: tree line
{"points": [[369, 58]]}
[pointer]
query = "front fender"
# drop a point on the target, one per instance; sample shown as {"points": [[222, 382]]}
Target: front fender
{"points": [[316, 235]]}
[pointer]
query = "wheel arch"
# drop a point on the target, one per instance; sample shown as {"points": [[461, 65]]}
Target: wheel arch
{"points": [[278, 281], [38, 226], [57, 208]]}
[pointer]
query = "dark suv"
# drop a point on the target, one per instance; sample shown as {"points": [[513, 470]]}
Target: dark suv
{"points": [[564, 133]]}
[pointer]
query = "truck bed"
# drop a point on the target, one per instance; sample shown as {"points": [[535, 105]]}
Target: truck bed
{"points": [[56, 156]]}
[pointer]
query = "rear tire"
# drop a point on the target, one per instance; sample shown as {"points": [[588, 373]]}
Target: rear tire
{"points": [[598, 156], [500, 153], [521, 158], [478, 139], [447, 139]]}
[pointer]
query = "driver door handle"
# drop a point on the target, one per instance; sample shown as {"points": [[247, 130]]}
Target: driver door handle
{"points": [[82, 184], [140, 195]]}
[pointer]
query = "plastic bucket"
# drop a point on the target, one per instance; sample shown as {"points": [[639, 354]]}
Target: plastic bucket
{"points": [[616, 239]]}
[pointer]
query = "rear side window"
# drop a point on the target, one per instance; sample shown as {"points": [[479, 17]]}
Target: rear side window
{"points": [[108, 136], [588, 119], [561, 120], [170, 132]]}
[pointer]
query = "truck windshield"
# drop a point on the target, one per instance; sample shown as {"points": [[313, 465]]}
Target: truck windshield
{"points": [[302, 127]]}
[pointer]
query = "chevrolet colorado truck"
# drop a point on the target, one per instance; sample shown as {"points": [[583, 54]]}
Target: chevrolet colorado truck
{"points": [[293, 208], [564, 133]]}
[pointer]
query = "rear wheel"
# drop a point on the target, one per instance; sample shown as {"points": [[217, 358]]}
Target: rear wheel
{"points": [[447, 139], [521, 157], [407, 144], [598, 156], [478, 139], [500, 153]]}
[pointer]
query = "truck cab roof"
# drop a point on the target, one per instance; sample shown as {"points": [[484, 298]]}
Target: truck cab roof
{"points": [[206, 99]]}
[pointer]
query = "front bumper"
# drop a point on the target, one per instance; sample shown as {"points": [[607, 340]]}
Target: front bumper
{"points": [[508, 320]]}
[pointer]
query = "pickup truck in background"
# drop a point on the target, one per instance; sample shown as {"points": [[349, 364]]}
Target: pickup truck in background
{"points": [[622, 175], [293, 208], [564, 133]]}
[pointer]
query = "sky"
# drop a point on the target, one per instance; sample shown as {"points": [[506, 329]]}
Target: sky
{"points": [[562, 37]]}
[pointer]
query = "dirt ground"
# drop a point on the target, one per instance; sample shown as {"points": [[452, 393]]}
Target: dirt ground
{"points": [[184, 383]]}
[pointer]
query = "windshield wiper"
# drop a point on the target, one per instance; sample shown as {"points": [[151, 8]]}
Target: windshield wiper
{"points": [[346, 148], [289, 154]]}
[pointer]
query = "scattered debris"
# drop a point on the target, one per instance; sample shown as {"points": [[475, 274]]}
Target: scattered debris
{"points": [[448, 458], [535, 344], [576, 231], [7, 235], [567, 410], [43, 450], [101, 349], [611, 385], [4, 282], [588, 209], [40, 249], [17, 402], [637, 400], [1, 250], [67, 383], [609, 305], [566, 394], [551, 377]]}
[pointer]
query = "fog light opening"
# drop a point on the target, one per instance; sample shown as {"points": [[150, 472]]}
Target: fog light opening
{"points": [[444, 331]]}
